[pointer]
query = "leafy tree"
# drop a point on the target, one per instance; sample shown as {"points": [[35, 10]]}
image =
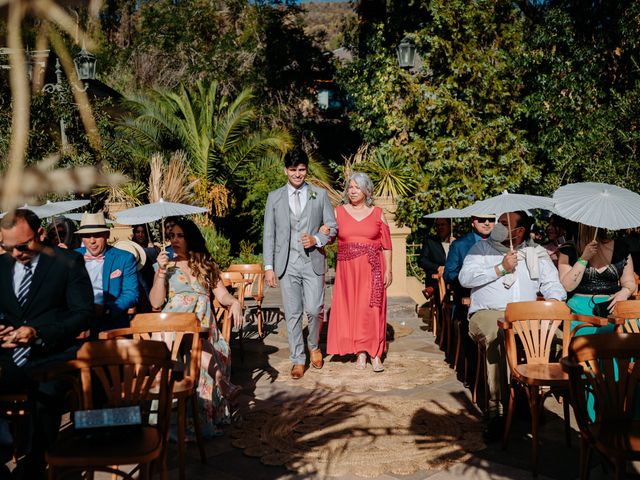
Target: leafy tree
{"points": [[583, 91], [457, 120], [218, 134]]}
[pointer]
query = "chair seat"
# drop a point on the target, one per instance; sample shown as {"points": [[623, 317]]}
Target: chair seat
{"points": [[618, 438], [140, 445], [549, 374]]}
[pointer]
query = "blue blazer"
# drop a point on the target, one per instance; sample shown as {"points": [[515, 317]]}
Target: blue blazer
{"points": [[457, 251], [120, 289]]}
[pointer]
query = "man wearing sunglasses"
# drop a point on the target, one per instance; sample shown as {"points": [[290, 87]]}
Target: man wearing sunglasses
{"points": [[507, 268], [45, 304]]}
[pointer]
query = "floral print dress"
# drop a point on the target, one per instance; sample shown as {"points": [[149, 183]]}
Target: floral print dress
{"points": [[186, 294]]}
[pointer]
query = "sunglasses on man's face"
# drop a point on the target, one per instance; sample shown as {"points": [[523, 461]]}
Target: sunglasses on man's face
{"points": [[21, 247], [485, 219]]}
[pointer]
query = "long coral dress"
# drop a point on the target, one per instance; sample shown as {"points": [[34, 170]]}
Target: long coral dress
{"points": [[358, 320], [188, 295]]}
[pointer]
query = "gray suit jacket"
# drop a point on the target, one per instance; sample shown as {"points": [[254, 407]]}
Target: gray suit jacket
{"points": [[277, 228]]}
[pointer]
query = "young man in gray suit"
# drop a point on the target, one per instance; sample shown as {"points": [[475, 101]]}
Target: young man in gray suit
{"points": [[293, 253]]}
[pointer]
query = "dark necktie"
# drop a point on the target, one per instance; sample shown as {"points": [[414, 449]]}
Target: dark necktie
{"points": [[21, 354]]}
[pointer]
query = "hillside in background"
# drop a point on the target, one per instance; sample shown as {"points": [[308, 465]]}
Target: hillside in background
{"points": [[327, 18]]}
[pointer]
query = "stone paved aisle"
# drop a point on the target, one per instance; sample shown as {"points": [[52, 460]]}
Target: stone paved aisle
{"points": [[261, 390]]}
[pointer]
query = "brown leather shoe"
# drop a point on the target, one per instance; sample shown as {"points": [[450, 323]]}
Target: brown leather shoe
{"points": [[316, 358], [297, 371]]}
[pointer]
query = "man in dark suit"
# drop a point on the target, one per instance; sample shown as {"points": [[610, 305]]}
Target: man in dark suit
{"points": [[434, 252], [45, 304], [113, 273]]}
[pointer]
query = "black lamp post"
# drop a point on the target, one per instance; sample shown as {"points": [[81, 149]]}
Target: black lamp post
{"points": [[85, 63], [406, 53]]}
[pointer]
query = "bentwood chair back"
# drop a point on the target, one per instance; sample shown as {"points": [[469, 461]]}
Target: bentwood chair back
{"points": [[536, 324], [253, 274], [626, 316], [111, 374], [181, 333], [605, 393]]}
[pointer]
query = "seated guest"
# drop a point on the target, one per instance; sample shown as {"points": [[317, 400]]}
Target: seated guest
{"points": [[61, 233], [498, 276], [113, 275], [46, 303], [481, 226], [600, 277], [141, 236], [556, 233], [187, 284], [434, 253], [632, 239]]}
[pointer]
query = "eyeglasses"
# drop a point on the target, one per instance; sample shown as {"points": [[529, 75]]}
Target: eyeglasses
{"points": [[485, 219], [171, 236], [21, 247]]}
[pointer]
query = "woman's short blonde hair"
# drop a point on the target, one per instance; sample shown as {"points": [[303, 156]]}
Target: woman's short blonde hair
{"points": [[365, 185]]}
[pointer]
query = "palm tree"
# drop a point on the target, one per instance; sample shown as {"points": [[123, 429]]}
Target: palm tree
{"points": [[219, 135]]}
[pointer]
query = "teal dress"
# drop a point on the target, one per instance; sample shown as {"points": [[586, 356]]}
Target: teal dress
{"points": [[188, 295], [596, 287]]}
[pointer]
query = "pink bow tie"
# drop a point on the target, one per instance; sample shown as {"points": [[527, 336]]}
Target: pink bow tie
{"points": [[88, 257]]}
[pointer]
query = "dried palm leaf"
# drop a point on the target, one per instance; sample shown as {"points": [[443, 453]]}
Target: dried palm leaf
{"points": [[156, 167]]}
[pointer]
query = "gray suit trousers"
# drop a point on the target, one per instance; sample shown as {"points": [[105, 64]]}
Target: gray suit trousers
{"points": [[302, 291]]}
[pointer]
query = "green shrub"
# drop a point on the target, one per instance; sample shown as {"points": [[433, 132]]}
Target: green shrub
{"points": [[218, 245], [247, 254]]}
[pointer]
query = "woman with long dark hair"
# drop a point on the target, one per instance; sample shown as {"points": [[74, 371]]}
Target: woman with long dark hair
{"points": [[185, 285]]}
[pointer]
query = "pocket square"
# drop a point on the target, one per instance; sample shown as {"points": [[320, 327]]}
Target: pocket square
{"points": [[115, 274]]}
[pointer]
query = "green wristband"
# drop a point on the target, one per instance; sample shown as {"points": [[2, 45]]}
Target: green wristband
{"points": [[583, 262], [503, 272]]}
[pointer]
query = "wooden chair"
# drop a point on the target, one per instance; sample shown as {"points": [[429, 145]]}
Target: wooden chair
{"points": [[122, 373], [254, 287], [181, 333], [536, 324], [437, 302], [444, 309], [626, 316], [602, 368]]}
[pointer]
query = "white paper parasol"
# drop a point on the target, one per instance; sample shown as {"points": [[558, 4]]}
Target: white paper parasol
{"points": [[448, 213], [51, 209], [599, 205], [509, 202], [76, 217], [156, 211]]}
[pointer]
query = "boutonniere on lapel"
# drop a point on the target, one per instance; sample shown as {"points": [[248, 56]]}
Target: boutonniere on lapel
{"points": [[312, 194]]}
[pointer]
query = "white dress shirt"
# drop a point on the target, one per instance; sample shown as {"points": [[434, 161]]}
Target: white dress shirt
{"points": [[94, 268], [19, 271], [488, 291]]}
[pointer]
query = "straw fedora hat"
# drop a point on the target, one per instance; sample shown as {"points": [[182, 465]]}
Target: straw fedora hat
{"points": [[134, 249], [92, 223]]}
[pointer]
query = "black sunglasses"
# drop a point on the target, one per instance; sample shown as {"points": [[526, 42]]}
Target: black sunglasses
{"points": [[486, 219], [21, 247]]}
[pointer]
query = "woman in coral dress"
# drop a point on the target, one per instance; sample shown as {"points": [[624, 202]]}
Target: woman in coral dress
{"points": [[358, 320], [186, 285]]}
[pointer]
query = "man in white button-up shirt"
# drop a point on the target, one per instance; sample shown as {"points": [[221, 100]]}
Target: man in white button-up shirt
{"points": [[497, 276]]}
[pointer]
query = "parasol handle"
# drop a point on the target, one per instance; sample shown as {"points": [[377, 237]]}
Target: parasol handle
{"points": [[595, 235], [510, 237], [164, 248]]}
